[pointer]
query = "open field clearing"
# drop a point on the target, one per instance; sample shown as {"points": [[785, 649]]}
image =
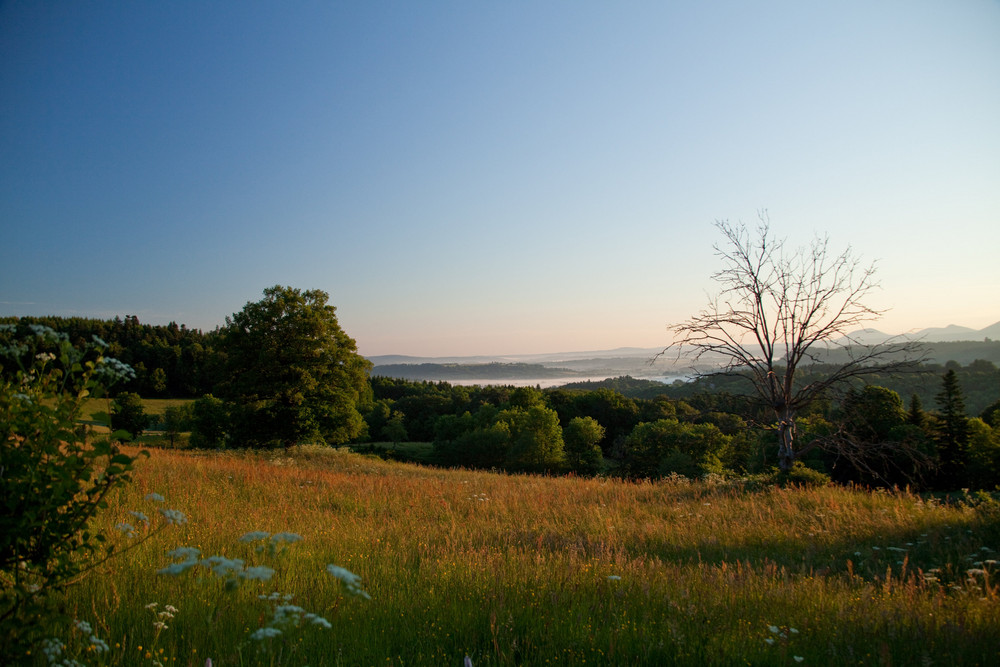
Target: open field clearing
{"points": [[525, 570]]}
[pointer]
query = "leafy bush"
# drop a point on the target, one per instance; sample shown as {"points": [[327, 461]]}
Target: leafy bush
{"points": [[802, 475], [209, 422], [55, 476], [129, 415]]}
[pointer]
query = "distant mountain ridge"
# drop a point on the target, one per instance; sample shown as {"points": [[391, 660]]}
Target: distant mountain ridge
{"points": [[952, 333], [949, 334]]}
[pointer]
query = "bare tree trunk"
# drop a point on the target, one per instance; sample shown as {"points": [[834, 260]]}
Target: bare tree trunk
{"points": [[786, 439]]}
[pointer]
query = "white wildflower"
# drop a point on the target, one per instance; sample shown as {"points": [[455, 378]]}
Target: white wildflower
{"points": [[155, 497], [140, 516], [174, 517], [265, 633], [171, 608], [255, 535], [175, 569], [126, 528], [160, 626], [350, 580], [798, 658], [286, 537], [223, 566], [259, 573], [187, 553], [318, 620], [614, 577], [52, 648], [773, 629], [152, 605], [84, 627], [770, 641]]}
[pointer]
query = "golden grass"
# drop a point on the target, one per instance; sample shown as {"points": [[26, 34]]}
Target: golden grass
{"points": [[514, 570]]}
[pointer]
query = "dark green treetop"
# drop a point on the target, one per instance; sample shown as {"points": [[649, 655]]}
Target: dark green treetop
{"points": [[293, 375]]}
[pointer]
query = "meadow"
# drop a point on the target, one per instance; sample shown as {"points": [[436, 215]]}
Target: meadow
{"points": [[530, 570]]}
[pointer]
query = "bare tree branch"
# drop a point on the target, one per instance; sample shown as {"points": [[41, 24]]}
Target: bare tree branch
{"points": [[778, 309]]}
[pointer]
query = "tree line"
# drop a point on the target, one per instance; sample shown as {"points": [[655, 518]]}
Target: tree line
{"points": [[282, 372]]}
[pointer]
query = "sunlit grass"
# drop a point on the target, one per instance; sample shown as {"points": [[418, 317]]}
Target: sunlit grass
{"points": [[516, 570]]}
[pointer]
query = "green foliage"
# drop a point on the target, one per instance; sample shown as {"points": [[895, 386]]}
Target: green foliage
{"points": [[209, 422], [873, 412], [394, 429], [129, 415], [294, 376], [536, 441], [580, 437], [982, 456], [802, 475], [170, 360], [667, 447], [952, 432], [991, 415], [56, 476], [176, 419]]}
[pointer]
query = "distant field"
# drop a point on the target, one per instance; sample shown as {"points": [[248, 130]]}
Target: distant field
{"points": [[526, 570], [153, 406]]}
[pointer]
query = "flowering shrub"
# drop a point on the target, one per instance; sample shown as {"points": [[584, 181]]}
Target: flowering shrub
{"points": [[55, 473]]}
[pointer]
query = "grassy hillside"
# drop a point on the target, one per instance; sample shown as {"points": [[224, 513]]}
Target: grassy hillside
{"points": [[527, 570]]}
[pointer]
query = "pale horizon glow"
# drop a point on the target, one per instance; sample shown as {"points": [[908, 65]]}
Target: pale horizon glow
{"points": [[491, 179]]}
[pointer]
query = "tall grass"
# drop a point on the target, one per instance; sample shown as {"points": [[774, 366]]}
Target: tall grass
{"points": [[526, 570]]}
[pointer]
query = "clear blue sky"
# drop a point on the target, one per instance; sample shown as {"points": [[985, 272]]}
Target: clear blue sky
{"points": [[490, 177]]}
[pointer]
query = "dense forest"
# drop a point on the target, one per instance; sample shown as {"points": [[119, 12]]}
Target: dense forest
{"points": [[935, 427]]}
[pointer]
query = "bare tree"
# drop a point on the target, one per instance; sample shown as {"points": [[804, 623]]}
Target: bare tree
{"points": [[779, 310]]}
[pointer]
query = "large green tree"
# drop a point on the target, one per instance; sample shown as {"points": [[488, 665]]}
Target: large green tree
{"points": [[293, 375]]}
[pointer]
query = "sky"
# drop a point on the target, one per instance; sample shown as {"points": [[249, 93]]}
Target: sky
{"points": [[491, 178]]}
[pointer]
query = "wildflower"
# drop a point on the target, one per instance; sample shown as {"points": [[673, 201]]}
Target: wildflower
{"points": [[152, 605], [254, 536], [265, 633], [614, 577], [126, 528], [160, 626], [187, 553], [223, 566], [52, 648], [974, 571], [798, 658], [350, 580], [260, 573], [773, 629], [140, 516], [769, 641], [175, 569], [155, 497], [174, 517], [171, 608], [286, 537], [793, 631], [318, 620], [83, 627]]}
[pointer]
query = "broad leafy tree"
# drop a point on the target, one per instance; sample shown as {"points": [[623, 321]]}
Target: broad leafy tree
{"points": [[778, 310], [293, 375]]}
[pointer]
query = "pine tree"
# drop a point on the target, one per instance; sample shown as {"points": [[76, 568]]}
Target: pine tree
{"points": [[916, 414], [952, 432]]}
